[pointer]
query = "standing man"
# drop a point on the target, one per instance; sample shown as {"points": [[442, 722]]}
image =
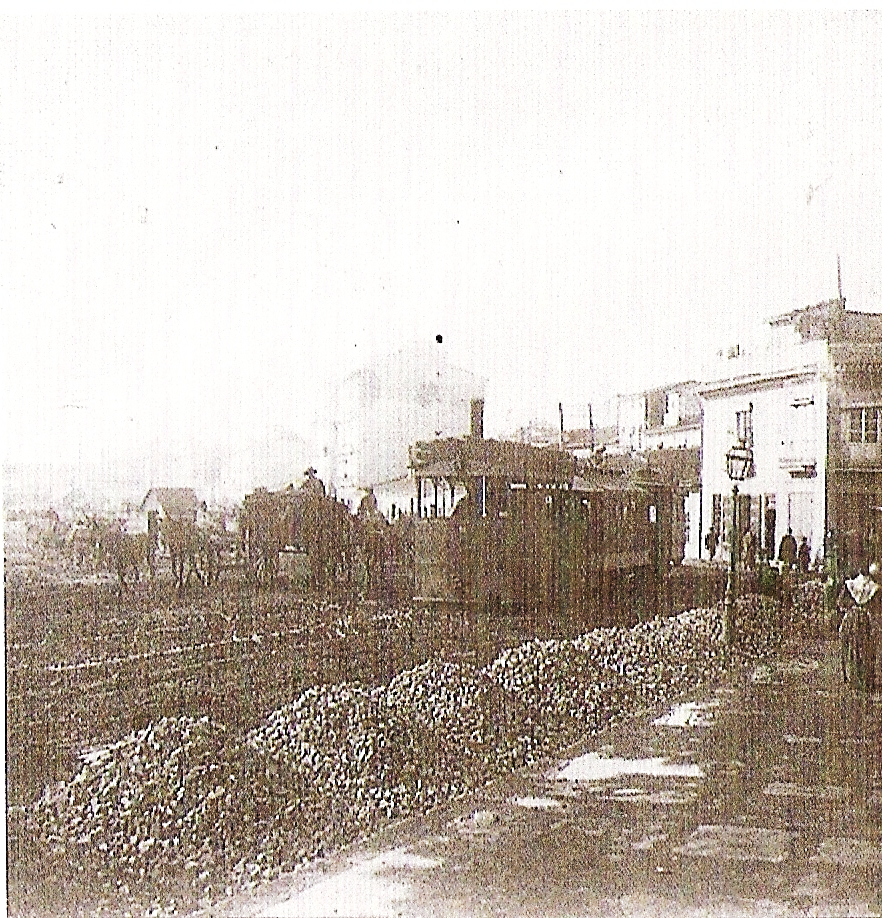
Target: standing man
{"points": [[787, 549], [748, 550], [748, 561], [804, 557], [711, 540], [874, 641]]}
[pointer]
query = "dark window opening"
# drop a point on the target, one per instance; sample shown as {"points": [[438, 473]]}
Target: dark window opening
{"points": [[871, 425]]}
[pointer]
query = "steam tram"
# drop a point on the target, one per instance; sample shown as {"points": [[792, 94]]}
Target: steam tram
{"points": [[529, 535]]}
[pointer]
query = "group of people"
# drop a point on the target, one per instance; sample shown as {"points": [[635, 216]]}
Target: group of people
{"points": [[860, 632], [860, 628], [790, 555]]}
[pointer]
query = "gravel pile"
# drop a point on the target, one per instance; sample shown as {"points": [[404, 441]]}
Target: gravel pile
{"points": [[571, 688], [150, 803], [758, 624], [343, 759]]}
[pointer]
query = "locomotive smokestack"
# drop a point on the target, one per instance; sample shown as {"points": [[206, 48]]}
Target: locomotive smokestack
{"points": [[477, 428]]}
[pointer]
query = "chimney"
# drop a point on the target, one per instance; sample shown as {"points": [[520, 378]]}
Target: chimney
{"points": [[477, 428]]}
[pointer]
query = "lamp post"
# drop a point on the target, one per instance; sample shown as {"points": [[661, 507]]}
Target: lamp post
{"points": [[739, 460]]}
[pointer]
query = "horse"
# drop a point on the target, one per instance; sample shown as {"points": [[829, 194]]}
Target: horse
{"points": [[213, 545], [125, 552], [303, 519], [182, 539], [265, 528], [373, 541]]}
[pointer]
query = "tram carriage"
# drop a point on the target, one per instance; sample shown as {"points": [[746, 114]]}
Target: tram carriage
{"points": [[532, 537]]}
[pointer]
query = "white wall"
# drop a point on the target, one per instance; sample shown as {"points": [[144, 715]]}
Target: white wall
{"points": [[390, 404], [779, 431], [630, 417], [396, 495], [678, 438], [672, 414]]}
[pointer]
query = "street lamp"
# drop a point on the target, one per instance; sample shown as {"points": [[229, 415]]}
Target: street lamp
{"points": [[739, 462]]}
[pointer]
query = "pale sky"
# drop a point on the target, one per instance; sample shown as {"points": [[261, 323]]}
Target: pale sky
{"points": [[208, 222]]}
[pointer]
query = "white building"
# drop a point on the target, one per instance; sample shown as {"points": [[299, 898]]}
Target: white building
{"points": [[668, 417], [785, 403], [667, 420], [382, 409]]}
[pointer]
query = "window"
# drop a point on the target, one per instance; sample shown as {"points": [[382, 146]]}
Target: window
{"points": [[864, 424], [744, 426], [856, 426]]}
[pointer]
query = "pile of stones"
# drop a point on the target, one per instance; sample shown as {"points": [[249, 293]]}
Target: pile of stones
{"points": [[186, 798]]}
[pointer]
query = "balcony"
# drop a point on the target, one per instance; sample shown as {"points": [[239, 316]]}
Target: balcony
{"points": [[799, 465]]}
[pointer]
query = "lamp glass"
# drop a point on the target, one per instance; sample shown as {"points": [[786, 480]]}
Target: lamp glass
{"points": [[737, 463]]}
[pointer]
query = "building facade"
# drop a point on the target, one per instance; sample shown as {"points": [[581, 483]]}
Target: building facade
{"points": [[386, 406], [803, 408], [668, 417], [854, 463]]}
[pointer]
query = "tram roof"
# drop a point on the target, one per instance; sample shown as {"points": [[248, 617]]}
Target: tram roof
{"points": [[464, 458]]}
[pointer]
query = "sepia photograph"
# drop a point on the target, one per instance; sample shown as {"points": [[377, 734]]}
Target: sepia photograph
{"points": [[442, 464]]}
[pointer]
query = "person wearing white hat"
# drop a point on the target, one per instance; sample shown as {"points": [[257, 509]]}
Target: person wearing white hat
{"points": [[856, 634]]}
